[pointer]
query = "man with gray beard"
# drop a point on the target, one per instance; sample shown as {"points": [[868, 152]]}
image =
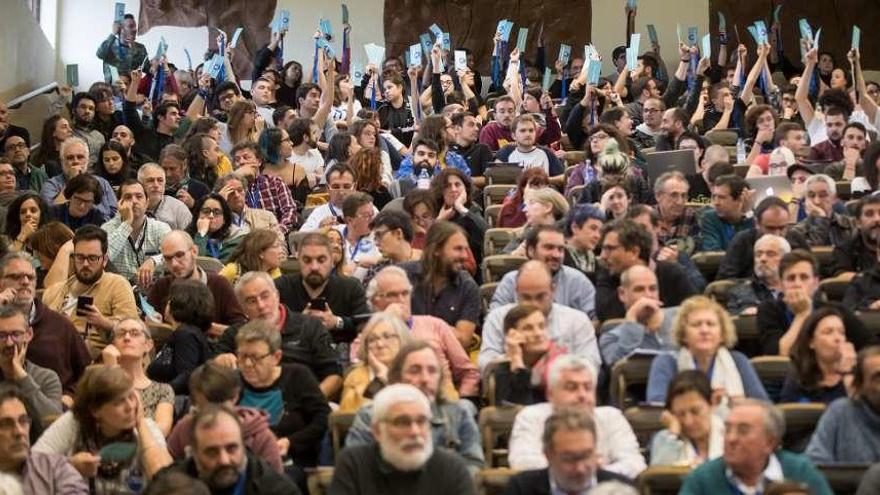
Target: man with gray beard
{"points": [[403, 458], [745, 297], [860, 253]]}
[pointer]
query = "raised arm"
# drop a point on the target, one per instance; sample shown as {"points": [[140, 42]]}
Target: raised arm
{"points": [[802, 95], [861, 96], [512, 81], [328, 89], [746, 92], [415, 104]]}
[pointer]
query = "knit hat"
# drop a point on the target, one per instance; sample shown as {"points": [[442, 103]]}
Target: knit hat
{"points": [[612, 160]]}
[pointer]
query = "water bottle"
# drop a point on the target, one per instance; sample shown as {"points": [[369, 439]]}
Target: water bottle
{"points": [[424, 180], [740, 151]]}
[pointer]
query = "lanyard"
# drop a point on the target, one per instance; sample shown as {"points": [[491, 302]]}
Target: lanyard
{"points": [[253, 194], [140, 246], [357, 246]]}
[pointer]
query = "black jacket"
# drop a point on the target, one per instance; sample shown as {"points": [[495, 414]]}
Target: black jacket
{"points": [[146, 140], [303, 341], [853, 256], [863, 290], [185, 350], [537, 481], [739, 262], [261, 478], [304, 420], [345, 297], [672, 280], [774, 318]]}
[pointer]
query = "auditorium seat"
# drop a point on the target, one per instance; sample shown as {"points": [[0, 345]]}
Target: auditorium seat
{"points": [[496, 423], [496, 239], [708, 262], [495, 194], [487, 290], [493, 481], [491, 214], [645, 422], [626, 374], [719, 290], [662, 480], [339, 423], [502, 174], [772, 371], [844, 478], [800, 422], [495, 266]]}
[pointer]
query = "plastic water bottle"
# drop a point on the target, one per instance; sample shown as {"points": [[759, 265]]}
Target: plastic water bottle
{"points": [[740, 151], [424, 180]]}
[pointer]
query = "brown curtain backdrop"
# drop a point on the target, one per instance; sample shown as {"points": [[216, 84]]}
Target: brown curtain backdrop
{"points": [[835, 17], [227, 15], [471, 24]]}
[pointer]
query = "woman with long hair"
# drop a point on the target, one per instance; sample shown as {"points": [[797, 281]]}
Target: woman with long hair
{"points": [[130, 349], [277, 148], [113, 165], [205, 160], [243, 125], [27, 213], [260, 251], [56, 129], [367, 165], [420, 206], [453, 191], [367, 135], [823, 359], [342, 146], [337, 251], [204, 125], [212, 229], [694, 433], [107, 409], [588, 170]]}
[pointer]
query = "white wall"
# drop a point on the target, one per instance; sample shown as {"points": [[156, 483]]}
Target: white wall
{"points": [[84, 24], [25, 53]]}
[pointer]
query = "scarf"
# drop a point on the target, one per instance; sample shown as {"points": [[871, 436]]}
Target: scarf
{"points": [[724, 373]]}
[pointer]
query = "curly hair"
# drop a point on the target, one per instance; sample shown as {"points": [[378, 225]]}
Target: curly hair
{"points": [[699, 303]]}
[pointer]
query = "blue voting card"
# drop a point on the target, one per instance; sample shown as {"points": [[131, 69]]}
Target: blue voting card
{"points": [[415, 55], [652, 34], [706, 47], [564, 53], [119, 12]]}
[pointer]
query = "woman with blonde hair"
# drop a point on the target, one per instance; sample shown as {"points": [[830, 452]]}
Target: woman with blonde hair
{"points": [[381, 339], [705, 336], [260, 251]]}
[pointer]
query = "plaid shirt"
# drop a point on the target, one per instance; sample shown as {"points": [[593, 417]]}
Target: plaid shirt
{"points": [[272, 194], [684, 227]]}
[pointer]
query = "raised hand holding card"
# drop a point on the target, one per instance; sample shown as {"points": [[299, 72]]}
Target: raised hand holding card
{"points": [[460, 60]]}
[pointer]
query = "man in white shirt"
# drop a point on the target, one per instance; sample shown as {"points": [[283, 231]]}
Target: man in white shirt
{"points": [[572, 383], [340, 179], [527, 153], [566, 327], [360, 247], [304, 136]]}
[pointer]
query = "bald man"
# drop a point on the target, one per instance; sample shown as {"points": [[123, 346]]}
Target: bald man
{"points": [[566, 327], [647, 325]]}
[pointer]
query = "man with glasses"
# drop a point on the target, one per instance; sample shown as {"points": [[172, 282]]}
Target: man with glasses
{"points": [[303, 338], [40, 386], [55, 343], [93, 299], [450, 424], [678, 223], [17, 151], [359, 245], [405, 456], [625, 244], [752, 458], [340, 181], [567, 327], [179, 254], [263, 191], [232, 188], [393, 236], [75, 161], [646, 133], [22, 469], [134, 237], [391, 291], [569, 443]]}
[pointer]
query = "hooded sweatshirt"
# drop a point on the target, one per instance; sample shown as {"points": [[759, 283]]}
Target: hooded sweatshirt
{"points": [[258, 438]]}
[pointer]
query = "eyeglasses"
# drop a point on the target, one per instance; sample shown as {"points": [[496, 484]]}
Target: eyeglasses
{"points": [[598, 137], [337, 187], [401, 294], [404, 422], [15, 336], [70, 158], [250, 358], [82, 202], [7, 173], [215, 212], [20, 277], [676, 195], [176, 256], [651, 110], [385, 337], [16, 146], [82, 258], [133, 333], [610, 247], [9, 424]]}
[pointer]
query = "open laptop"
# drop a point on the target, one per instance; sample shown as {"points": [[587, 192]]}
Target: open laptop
{"points": [[774, 185], [660, 162]]}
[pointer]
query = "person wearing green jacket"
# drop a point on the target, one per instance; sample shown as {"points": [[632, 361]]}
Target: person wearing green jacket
{"points": [[752, 456], [212, 228]]}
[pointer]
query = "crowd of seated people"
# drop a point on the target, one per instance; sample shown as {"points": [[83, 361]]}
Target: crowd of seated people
{"points": [[213, 289]]}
